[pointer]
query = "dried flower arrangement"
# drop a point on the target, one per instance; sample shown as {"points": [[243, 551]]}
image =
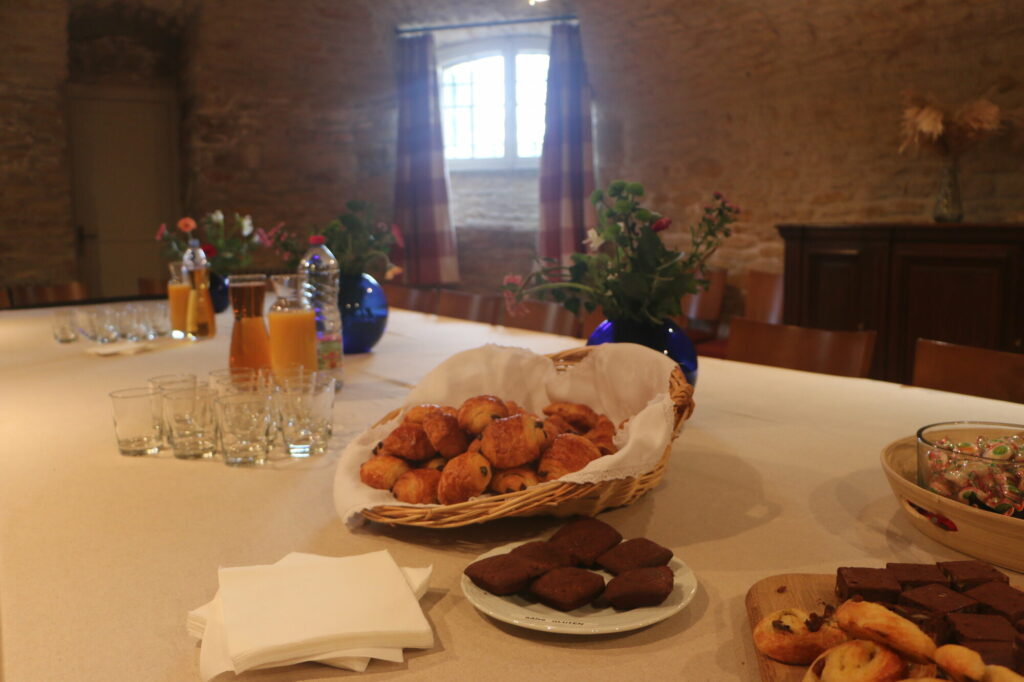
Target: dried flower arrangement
{"points": [[951, 133]]}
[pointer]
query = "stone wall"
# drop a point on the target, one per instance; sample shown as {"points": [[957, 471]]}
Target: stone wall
{"points": [[790, 108]]}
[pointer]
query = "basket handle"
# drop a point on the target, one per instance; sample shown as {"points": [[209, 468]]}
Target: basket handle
{"points": [[936, 519]]}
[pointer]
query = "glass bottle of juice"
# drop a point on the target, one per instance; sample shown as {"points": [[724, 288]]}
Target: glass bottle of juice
{"points": [[199, 320], [250, 343], [292, 327], [177, 299]]}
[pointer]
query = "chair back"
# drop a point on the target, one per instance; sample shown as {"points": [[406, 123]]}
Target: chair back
{"points": [[5, 298], [38, 294], [152, 286], [410, 298], [813, 350], [764, 296], [969, 370], [543, 316], [467, 306], [589, 322], [703, 310]]}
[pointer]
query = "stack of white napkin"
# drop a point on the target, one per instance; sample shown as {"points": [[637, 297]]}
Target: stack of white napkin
{"points": [[337, 611]]}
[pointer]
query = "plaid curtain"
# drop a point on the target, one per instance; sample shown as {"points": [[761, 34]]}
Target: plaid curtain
{"points": [[567, 159], [421, 184]]}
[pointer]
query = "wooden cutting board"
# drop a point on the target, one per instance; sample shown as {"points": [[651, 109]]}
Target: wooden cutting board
{"points": [[808, 591]]}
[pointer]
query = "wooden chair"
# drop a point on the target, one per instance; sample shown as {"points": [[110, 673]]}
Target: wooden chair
{"points": [[588, 323], [764, 296], [703, 310], [152, 286], [39, 294], [969, 370], [5, 298], [542, 316], [466, 306], [813, 350], [410, 298]]}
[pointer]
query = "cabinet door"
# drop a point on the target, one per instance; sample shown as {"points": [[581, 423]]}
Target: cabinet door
{"points": [[961, 293]]}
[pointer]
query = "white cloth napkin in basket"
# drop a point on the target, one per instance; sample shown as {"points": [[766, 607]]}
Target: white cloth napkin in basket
{"points": [[620, 380], [337, 611]]}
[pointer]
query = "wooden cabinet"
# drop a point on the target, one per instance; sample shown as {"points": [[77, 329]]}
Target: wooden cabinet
{"points": [[952, 282]]}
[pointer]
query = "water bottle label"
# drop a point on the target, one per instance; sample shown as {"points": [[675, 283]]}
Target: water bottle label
{"points": [[328, 353]]}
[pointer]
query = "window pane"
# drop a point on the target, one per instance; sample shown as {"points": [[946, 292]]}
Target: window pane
{"points": [[473, 109], [531, 94]]}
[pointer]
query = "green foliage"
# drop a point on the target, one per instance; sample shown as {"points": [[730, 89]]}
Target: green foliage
{"points": [[359, 242], [627, 271], [228, 247]]}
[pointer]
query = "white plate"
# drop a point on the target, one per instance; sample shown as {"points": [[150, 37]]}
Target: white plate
{"points": [[586, 620]]}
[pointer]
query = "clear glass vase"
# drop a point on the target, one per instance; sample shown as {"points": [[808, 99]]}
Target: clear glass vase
{"points": [[948, 206]]}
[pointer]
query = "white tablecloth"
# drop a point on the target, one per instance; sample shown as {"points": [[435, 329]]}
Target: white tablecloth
{"points": [[101, 556]]}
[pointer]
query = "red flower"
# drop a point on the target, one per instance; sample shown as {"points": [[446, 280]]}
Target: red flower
{"points": [[186, 224], [661, 224], [513, 279], [161, 231], [210, 250], [512, 307]]}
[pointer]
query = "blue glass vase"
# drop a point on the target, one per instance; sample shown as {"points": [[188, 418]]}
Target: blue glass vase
{"points": [[219, 292], [364, 312], [667, 338]]}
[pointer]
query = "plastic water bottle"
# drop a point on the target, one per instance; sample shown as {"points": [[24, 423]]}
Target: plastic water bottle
{"points": [[320, 274], [200, 322]]}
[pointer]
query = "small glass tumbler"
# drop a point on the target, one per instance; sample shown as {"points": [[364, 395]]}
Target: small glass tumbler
{"points": [[63, 325], [305, 408], [137, 422], [243, 427], [97, 324], [169, 382], [226, 379], [190, 421]]}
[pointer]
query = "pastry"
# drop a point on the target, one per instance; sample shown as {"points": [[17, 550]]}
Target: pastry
{"points": [[544, 554], [867, 620], [586, 539], [998, 673], [567, 588], [381, 471], [555, 426], [444, 434], [960, 663], [581, 417], [639, 587], [416, 413], [635, 553], [464, 477], [502, 574], [513, 441], [476, 413], [408, 441], [418, 486], [796, 636], [568, 453], [435, 463], [858, 660], [603, 435], [513, 480]]}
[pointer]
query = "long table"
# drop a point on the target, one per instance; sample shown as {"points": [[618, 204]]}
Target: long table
{"points": [[101, 556]]}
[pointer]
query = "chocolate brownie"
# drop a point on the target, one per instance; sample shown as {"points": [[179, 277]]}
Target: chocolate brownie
{"points": [[915, 575], [637, 587], [968, 628], [544, 555], [502, 574], [871, 584], [586, 539], [963, 575], [996, 653], [567, 588], [934, 625], [635, 553], [938, 599], [999, 598]]}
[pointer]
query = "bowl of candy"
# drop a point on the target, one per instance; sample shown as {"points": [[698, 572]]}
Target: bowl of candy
{"points": [[976, 463], [960, 484]]}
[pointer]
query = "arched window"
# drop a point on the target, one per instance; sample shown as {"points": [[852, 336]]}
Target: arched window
{"points": [[492, 102]]}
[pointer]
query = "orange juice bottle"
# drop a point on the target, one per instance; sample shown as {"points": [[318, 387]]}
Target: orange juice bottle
{"points": [[292, 328], [250, 343], [199, 320], [177, 300]]}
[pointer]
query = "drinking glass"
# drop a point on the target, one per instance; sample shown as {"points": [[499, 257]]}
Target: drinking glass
{"points": [[222, 380], [169, 382], [97, 324], [63, 326], [190, 421], [137, 422], [178, 290], [292, 327], [250, 342], [158, 315], [305, 407], [243, 427], [132, 323]]}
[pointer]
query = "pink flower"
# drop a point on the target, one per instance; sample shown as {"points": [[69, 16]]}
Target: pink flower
{"points": [[661, 224], [161, 231], [513, 307], [396, 232], [186, 224], [262, 236], [210, 250], [512, 279], [717, 195]]}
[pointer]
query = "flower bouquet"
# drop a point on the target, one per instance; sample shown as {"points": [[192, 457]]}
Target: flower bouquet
{"points": [[227, 247], [362, 244]]}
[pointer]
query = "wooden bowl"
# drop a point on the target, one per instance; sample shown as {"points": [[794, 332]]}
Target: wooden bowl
{"points": [[982, 534]]}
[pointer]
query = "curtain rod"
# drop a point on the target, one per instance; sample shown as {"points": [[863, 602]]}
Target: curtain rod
{"points": [[445, 27]]}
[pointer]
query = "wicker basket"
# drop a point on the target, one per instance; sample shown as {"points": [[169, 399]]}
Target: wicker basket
{"points": [[554, 498], [978, 533]]}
